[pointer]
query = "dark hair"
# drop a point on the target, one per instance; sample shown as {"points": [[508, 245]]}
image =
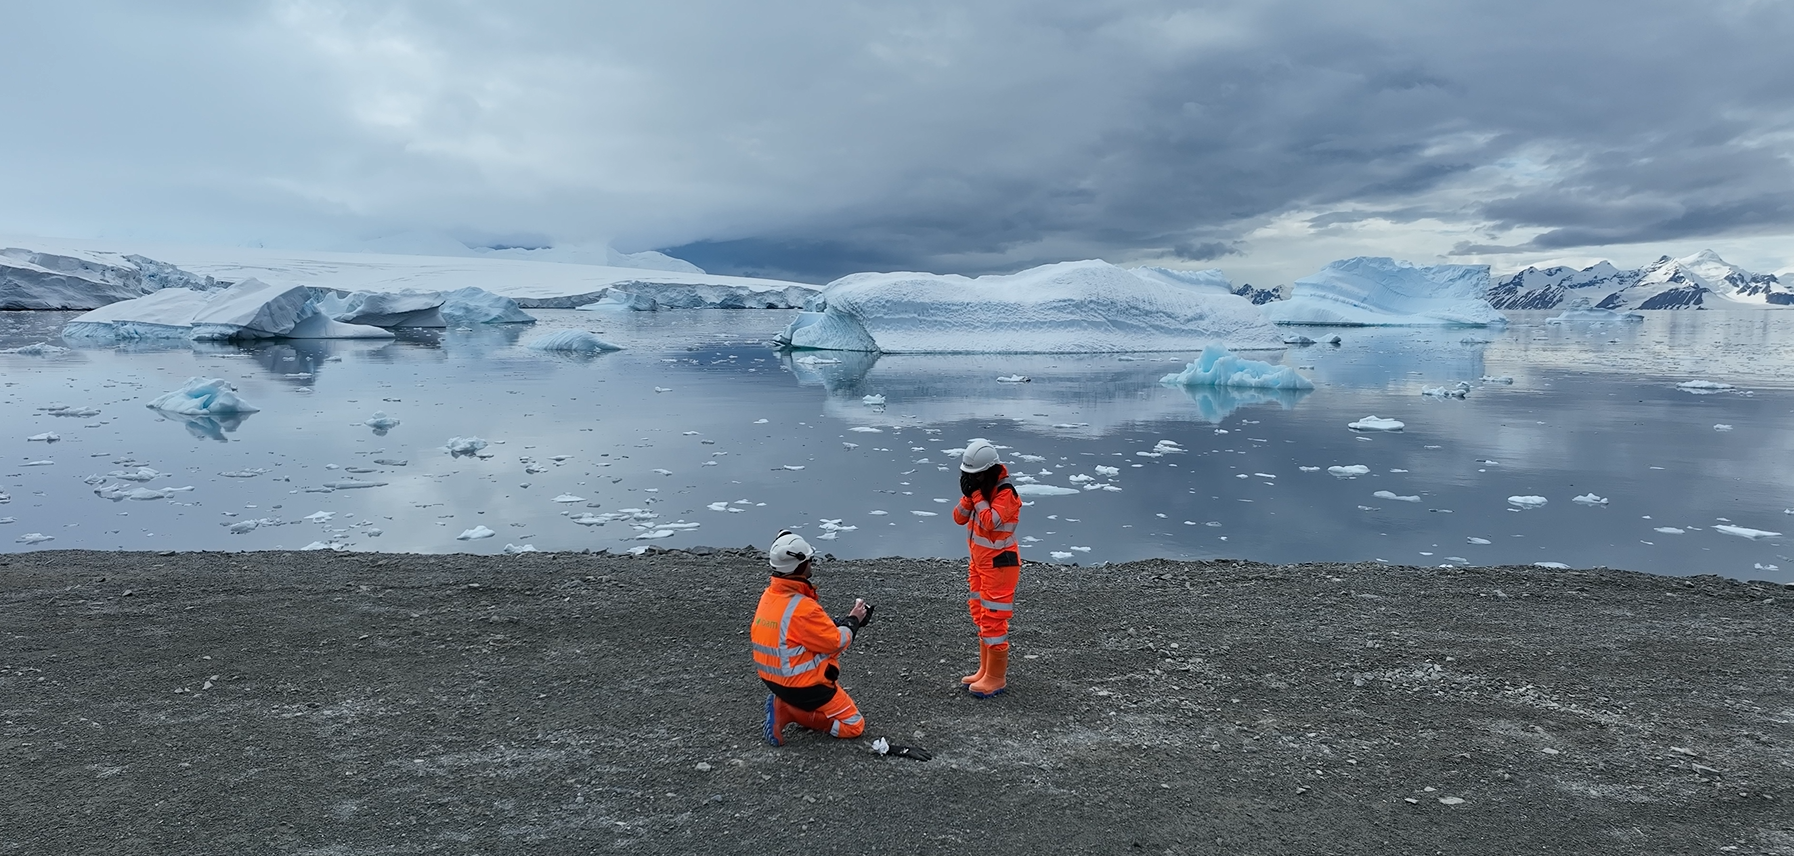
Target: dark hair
{"points": [[985, 480]]}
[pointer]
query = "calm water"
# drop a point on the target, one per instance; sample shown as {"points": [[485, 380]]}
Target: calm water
{"points": [[698, 433]]}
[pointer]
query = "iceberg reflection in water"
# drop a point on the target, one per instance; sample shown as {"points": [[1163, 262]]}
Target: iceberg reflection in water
{"points": [[207, 427], [1215, 403]]}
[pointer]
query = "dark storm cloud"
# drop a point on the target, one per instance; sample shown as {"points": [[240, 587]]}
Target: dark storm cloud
{"points": [[816, 139]]}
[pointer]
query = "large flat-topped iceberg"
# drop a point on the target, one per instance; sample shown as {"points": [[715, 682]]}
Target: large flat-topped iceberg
{"points": [[251, 309], [653, 296], [165, 314], [412, 307], [83, 279], [1071, 307], [1381, 292]]}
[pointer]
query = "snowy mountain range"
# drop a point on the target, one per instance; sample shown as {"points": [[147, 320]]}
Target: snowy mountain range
{"points": [[1701, 281]]}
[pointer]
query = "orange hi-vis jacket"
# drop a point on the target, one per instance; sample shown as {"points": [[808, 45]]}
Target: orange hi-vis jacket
{"points": [[990, 523], [796, 644]]}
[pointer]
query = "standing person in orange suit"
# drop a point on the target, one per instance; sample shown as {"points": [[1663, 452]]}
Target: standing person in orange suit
{"points": [[797, 648], [989, 508]]}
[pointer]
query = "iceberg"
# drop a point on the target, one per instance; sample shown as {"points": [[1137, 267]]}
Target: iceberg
{"points": [[1045, 490], [404, 308], [579, 341], [1376, 423], [39, 349], [657, 296], [1070, 307], [165, 314], [1527, 501], [84, 280], [1382, 292], [463, 446], [203, 396], [478, 306], [1220, 367], [253, 309], [381, 423]]}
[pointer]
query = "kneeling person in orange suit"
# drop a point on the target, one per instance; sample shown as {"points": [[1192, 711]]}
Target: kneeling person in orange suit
{"points": [[797, 646]]}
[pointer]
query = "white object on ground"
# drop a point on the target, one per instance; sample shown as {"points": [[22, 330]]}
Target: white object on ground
{"points": [[1376, 423], [1590, 499], [203, 396], [1218, 366], [577, 341], [475, 534], [1527, 501], [1070, 307], [1371, 291]]}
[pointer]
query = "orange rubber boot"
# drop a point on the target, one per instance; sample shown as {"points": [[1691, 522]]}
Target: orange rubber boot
{"points": [[996, 673], [778, 715], [983, 665]]}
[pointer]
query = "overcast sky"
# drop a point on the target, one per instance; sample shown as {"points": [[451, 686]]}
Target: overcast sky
{"points": [[813, 139]]}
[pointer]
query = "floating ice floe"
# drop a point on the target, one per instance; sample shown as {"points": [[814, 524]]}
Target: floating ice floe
{"points": [[1060, 554], [567, 497], [475, 534], [119, 492], [873, 401], [253, 309], [1527, 501], [46, 437], [245, 526], [1722, 427], [1703, 387], [865, 429], [1369, 291], [1745, 531], [203, 396], [70, 411], [1461, 390], [517, 549], [1502, 379], [40, 349], [1218, 366], [1014, 379], [381, 423], [925, 513], [33, 538], [1071, 307], [1101, 470], [1559, 566], [574, 341], [410, 307], [165, 314], [38, 464], [1390, 494], [1669, 530], [1376, 423], [816, 360], [1044, 490], [1590, 499], [1475, 540], [463, 446]]}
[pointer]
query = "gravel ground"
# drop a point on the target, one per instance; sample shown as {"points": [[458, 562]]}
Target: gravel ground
{"points": [[237, 703]]}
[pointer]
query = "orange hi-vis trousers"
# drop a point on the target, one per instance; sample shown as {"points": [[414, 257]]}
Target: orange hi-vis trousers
{"points": [[992, 602], [839, 717]]}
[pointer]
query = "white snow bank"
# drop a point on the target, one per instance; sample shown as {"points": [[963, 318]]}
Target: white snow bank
{"points": [[203, 396], [1376, 423], [1220, 367], [1374, 292], [1071, 307], [571, 340], [1594, 316]]}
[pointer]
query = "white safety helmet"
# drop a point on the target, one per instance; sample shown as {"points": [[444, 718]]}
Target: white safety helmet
{"points": [[979, 456], [788, 552]]}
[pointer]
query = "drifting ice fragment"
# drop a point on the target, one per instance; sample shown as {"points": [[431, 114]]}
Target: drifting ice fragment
{"points": [[320, 516], [1719, 427], [1376, 423], [33, 538], [1389, 494], [567, 497], [1527, 501], [1745, 531], [1057, 554], [475, 534], [463, 446], [1703, 387], [203, 396], [1013, 378], [925, 513], [1106, 471], [381, 423], [1554, 565], [41, 349], [1590, 499], [1369, 291], [1044, 490], [1461, 390], [1218, 366], [1669, 530], [1313, 469], [575, 341], [1475, 540], [814, 360], [46, 437], [1349, 470], [873, 400], [515, 549], [1502, 379]]}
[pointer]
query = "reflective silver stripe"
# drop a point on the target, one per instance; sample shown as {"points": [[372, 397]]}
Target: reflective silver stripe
{"points": [[993, 545], [781, 653], [788, 671], [994, 640], [785, 669], [834, 728], [997, 605], [852, 719], [846, 637]]}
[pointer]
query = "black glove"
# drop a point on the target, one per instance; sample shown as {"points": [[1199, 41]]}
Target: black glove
{"points": [[867, 621], [914, 752], [852, 624]]}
